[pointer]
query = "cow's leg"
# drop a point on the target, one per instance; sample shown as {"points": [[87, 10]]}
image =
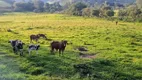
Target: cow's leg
{"points": [[15, 50], [60, 52], [21, 52], [29, 51], [36, 51]]}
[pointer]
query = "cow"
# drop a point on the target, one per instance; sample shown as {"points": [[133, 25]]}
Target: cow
{"points": [[37, 37], [17, 45], [58, 45], [43, 36], [116, 22], [34, 37], [33, 47]]}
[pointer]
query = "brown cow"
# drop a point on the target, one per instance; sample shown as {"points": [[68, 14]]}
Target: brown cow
{"points": [[37, 37], [116, 22], [34, 37], [58, 46], [42, 35]]}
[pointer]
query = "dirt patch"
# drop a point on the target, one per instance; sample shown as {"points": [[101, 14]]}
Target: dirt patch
{"points": [[81, 49], [49, 39], [87, 56]]}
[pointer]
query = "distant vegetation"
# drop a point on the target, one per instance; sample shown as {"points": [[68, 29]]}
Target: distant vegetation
{"points": [[131, 11]]}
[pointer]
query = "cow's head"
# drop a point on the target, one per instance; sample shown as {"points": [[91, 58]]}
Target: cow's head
{"points": [[20, 44], [64, 42], [37, 47]]}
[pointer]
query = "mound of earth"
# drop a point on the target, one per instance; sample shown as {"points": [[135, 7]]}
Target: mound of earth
{"points": [[81, 49]]}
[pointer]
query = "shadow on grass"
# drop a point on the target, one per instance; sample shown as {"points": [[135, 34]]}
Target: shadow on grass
{"points": [[51, 65]]}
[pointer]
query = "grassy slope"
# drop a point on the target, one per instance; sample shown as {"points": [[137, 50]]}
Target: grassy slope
{"points": [[118, 48], [4, 4]]}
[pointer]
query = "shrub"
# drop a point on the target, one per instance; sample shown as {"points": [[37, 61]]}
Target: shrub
{"points": [[110, 13], [76, 9], [87, 12], [96, 13]]}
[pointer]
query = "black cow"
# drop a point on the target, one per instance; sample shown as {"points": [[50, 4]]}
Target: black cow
{"points": [[17, 45], [33, 47]]}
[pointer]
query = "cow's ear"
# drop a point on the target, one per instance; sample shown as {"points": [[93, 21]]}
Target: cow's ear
{"points": [[65, 41]]}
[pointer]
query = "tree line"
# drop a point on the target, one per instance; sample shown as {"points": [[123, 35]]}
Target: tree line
{"points": [[131, 12], [36, 6]]}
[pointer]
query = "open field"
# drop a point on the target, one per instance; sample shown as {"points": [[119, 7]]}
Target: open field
{"points": [[117, 48]]}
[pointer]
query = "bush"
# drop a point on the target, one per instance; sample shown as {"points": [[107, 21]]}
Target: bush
{"points": [[39, 5], [122, 13], [110, 13], [52, 7], [87, 12], [23, 6], [96, 13], [76, 9], [130, 14]]}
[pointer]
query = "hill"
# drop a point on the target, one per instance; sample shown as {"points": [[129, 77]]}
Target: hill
{"points": [[87, 1], [4, 4], [97, 1]]}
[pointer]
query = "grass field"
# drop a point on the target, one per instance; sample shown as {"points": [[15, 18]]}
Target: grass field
{"points": [[117, 48]]}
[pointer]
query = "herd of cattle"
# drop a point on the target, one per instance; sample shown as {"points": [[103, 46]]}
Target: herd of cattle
{"points": [[60, 46], [17, 45]]}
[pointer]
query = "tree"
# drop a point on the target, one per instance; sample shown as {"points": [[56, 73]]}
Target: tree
{"points": [[52, 7], [110, 13], [139, 3], [47, 7], [79, 6], [76, 9], [133, 11], [106, 8], [96, 13], [104, 11], [23, 6], [39, 6], [122, 13], [87, 12]]}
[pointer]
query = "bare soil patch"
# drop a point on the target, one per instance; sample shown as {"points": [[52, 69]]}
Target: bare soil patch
{"points": [[87, 56]]}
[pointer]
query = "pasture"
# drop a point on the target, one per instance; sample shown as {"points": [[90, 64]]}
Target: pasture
{"points": [[117, 49]]}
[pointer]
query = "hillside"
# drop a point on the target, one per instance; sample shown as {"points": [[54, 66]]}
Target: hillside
{"points": [[97, 1], [89, 1], [4, 4]]}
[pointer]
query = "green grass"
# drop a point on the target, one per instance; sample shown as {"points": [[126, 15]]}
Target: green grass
{"points": [[118, 48]]}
